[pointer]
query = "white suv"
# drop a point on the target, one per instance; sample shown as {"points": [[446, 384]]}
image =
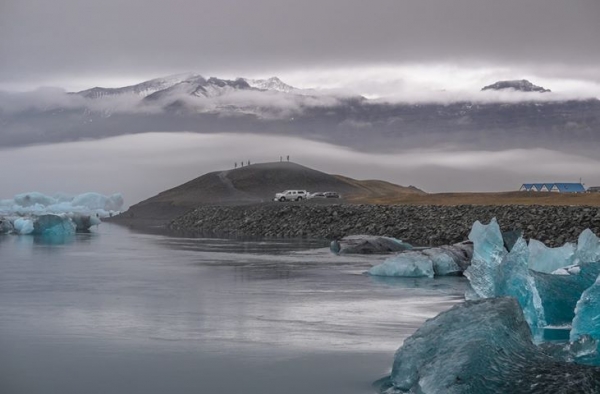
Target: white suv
{"points": [[291, 195]]}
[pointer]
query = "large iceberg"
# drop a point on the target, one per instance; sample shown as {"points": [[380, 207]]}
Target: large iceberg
{"points": [[34, 203], [546, 299], [47, 225], [440, 261], [368, 244], [39, 214], [494, 272], [483, 346]]}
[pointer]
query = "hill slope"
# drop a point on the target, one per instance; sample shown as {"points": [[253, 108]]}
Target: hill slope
{"points": [[255, 184]]}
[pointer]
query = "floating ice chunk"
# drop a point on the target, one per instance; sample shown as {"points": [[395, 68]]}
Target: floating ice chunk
{"points": [[488, 253], [23, 226], [545, 259], [368, 244], [408, 264], [588, 247], [587, 313], [482, 346], [53, 225], [444, 260]]}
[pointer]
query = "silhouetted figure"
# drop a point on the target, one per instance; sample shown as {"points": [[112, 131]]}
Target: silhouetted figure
{"points": [[288, 158], [280, 159], [235, 165], [242, 164], [248, 162]]}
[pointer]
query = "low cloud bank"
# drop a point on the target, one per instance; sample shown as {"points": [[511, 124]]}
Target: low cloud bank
{"points": [[143, 165]]}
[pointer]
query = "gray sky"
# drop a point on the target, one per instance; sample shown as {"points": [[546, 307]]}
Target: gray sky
{"points": [[46, 42]]}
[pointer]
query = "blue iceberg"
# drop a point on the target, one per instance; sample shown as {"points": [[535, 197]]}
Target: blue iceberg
{"points": [[483, 346], [587, 313], [53, 225], [545, 259], [546, 299], [513, 279], [440, 261], [488, 253], [560, 293], [46, 225], [36, 204], [23, 226], [588, 247]]}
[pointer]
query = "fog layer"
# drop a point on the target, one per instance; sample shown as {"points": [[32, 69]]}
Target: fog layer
{"points": [[139, 166]]}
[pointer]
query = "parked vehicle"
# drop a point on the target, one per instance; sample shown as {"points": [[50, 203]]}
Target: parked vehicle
{"points": [[291, 195], [324, 195]]}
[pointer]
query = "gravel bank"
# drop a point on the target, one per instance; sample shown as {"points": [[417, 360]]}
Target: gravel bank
{"points": [[420, 225]]}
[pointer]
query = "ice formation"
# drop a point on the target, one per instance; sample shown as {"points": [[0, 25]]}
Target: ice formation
{"points": [[35, 203], [545, 259], [409, 264], [488, 253], [588, 247], [484, 346], [444, 260], [560, 293], [53, 225], [494, 272], [38, 214], [587, 313], [546, 299], [368, 244]]}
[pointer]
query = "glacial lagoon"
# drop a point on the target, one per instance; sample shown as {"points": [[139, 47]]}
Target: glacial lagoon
{"points": [[115, 311]]}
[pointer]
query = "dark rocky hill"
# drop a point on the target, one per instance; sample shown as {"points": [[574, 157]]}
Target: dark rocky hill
{"points": [[253, 184], [522, 85]]}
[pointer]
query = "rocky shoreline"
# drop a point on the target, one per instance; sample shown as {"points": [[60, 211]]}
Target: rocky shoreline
{"points": [[426, 225]]}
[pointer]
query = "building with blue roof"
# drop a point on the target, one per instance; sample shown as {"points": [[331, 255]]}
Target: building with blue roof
{"points": [[553, 187]]}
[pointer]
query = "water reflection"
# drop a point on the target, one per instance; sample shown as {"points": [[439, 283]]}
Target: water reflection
{"points": [[113, 298]]}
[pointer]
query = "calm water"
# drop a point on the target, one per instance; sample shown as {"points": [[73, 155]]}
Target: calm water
{"points": [[120, 312]]}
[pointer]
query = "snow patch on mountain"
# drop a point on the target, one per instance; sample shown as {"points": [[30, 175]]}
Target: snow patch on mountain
{"points": [[141, 89], [272, 83]]}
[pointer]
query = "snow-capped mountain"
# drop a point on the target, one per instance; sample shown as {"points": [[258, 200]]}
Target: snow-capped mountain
{"points": [[198, 86], [141, 89], [522, 85], [192, 102], [272, 83], [190, 84]]}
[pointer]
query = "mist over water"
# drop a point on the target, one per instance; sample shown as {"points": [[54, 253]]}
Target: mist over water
{"points": [[142, 165]]}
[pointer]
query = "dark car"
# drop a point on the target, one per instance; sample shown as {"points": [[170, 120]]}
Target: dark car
{"points": [[324, 195]]}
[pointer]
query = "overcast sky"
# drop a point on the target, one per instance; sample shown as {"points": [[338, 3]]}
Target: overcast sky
{"points": [[79, 43]]}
